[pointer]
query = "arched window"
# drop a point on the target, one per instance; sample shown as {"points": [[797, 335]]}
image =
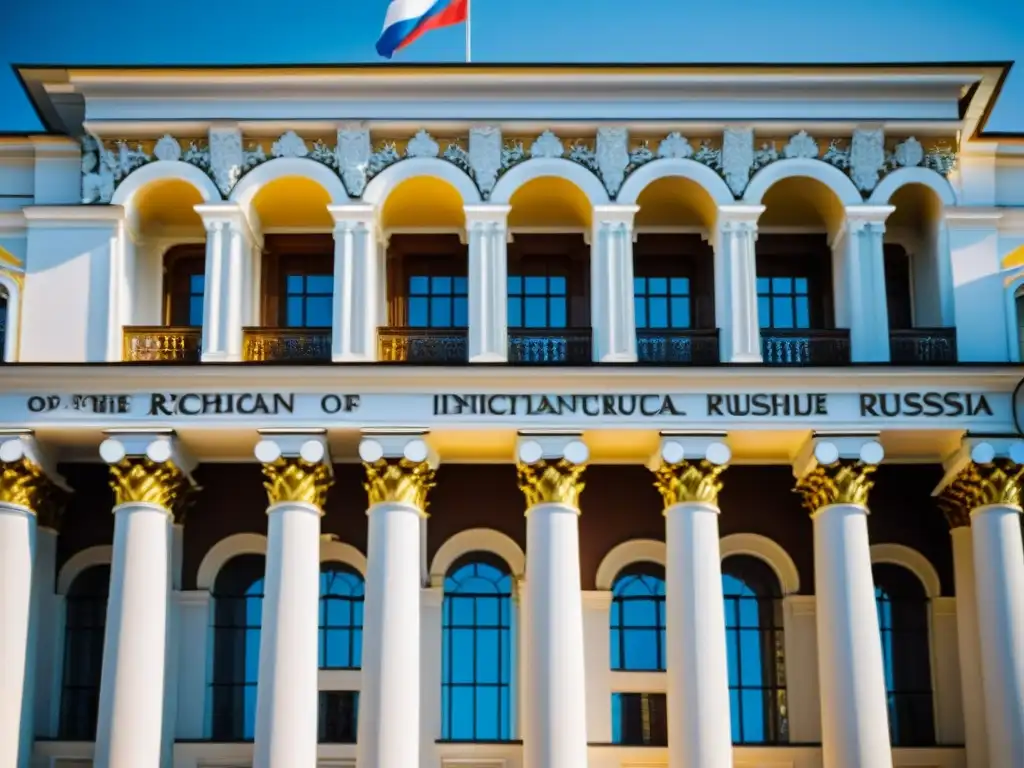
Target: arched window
{"points": [[476, 664], [237, 613], [86, 619], [906, 652], [341, 616], [638, 619], [755, 648]]}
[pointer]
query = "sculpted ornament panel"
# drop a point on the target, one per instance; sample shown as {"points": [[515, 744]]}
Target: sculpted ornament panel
{"points": [[353, 157], [612, 157], [422, 145], [737, 158], [551, 483], [226, 157], [801, 145], [689, 482], [867, 158], [547, 145], [399, 481], [289, 145], [167, 149], [845, 482], [485, 156]]}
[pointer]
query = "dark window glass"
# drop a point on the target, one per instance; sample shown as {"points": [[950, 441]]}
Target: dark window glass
{"points": [[338, 713], [538, 301], [783, 302], [898, 287], [662, 302], [639, 719], [237, 614], [476, 656], [341, 617], [196, 290], [638, 619], [438, 301], [86, 619], [755, 651], [308, 299], [903, 623]]}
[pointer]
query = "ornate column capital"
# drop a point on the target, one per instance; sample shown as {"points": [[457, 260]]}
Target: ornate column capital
{"points": [[297, 467], [550, 468], [687, 467], [149, 468], [28, 479], [836, 469], [400, 468], [982, 472]]}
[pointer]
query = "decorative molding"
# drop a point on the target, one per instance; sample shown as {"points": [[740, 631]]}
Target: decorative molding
{"points": [[554, 482], [477, 540], [291, 480], [767, 550], [225, 550], [625, 554], [913, 561], [844, 482], [688, 481], [401, 482], [81, 561]]}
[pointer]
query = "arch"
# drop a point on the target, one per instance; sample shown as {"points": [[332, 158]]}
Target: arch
{"points": [[913, 561], [926, 177], [477, 540], [829, 175], [102, 554], [538, 167], [765, 549], [165, 170], [283, 167], [332, 551], [667, 167], [225, 549], [385, 182], [627, 553], [12, 291]]}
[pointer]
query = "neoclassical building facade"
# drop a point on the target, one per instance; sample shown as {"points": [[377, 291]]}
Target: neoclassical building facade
{"points": [[512, 417]]}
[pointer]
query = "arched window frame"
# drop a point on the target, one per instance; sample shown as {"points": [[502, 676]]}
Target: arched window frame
{"points": [[639, 582], [766, 596], [84, 627], [340, 615], [10, 290], [506, 627], [1014, 282]]}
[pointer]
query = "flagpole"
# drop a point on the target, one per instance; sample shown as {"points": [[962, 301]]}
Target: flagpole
{"points": [[469, 18]]}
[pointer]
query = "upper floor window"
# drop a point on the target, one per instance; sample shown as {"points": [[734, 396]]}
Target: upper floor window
{"points": [[308, 298], [662, 302], [237, 614], [438, 301], [341, 617], [783, 302], [903, 623], [185, 285], [755, 650], [638, 619], [476, 656], [338, 714], [537, 301], [84, 626], [640, 719]]}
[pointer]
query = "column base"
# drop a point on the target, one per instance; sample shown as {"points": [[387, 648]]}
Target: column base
{"points": [[746, 357], [489, 357], [221, 357], [618, 357], [352, 357]]}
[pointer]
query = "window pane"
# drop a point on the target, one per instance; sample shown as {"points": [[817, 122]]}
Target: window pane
{"points": [[418, 311], [460, 286], [658, 308], [293, 283], [515, 312], [680, 313], [515, 284], [800, 284], [440, 312], [680, 285], [556, 285], [293, 317], [536, 312], [320, 284], [782, 311], [441, 285], [640, 309], [782, 285], [461, 319], [640, 286], [536, 285], [763, 285], [657, 285], [196, 283], [195, 310], [764, 315], [318, 312], [556, 318]]}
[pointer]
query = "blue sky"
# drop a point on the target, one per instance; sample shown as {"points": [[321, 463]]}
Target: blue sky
{"points": [[332, 31]]}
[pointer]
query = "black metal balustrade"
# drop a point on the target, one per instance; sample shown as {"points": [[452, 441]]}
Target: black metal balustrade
{"points": [[295, 345], [677, 346], [923, 346], [443, 346], [161, 344], [550, 346], [804, 346]]}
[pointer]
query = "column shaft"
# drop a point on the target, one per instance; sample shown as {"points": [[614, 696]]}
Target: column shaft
{"points": [[287, 698], [389, 699], [17, 552], [854, 715], [555, 717], [999, 574], [227, 303], [612, 311], [131, 705], [736, 274], [488, 290], [861, 296], [972, 690], [356, 287], [698, 674]]}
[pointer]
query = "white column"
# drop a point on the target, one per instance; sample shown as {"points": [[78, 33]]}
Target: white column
{"points": [[687, 469], [736, 283], [555, 724], [150, 478], [26, 480], [299, 474], [833, 479], [858, 278], [227, 300], [399, 472], [356, 284], [613, 316], [487, 231], [975, 256]]}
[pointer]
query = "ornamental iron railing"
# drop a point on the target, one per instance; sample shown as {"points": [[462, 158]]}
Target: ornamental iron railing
{"points": [[923, 346], [550, 346], [805, 346], [162, 344], [677, 346], [443, 346], [291, 345]]}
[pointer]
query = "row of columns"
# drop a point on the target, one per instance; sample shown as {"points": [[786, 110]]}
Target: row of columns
{"points": [[151, 479], [359, 276]]}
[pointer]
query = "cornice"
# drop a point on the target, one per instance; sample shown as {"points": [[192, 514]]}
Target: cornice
{"points": [[73, 215]]}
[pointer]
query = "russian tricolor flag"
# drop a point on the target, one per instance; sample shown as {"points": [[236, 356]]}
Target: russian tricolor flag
{"points": [[406, 20]]}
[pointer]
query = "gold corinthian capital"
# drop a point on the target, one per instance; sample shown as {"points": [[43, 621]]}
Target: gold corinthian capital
{"points": [[24, 484], [844, 482], [557, 482], [399, 481], [688, 481], [295, 480], [979, 485], [143, 481]]}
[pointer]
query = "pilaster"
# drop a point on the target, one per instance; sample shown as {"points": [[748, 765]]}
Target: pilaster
{"points": [[736, 282], [976, 282], [612, 312], [859, 278], [487, 231], [357, 279]]}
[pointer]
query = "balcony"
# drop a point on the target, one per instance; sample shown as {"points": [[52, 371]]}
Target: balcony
{"points": [[447, 346], [923, 346], [805, 346], [161, 344], [677, 346], [286, 345], [550, 346]]}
